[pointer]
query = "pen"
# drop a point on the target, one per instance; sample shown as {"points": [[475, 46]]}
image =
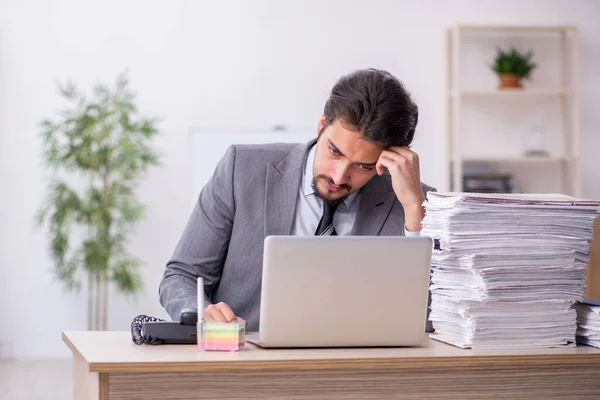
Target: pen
{"points": [[200, 295]]}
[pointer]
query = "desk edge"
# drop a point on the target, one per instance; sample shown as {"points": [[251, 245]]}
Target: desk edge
{"points": [[74, 349], [355, 364]]}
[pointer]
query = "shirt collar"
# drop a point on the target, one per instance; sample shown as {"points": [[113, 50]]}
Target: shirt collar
{"points": [[307, 179]]}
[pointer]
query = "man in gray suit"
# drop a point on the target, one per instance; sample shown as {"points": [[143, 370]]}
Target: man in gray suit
{"points": [[358, 177]]}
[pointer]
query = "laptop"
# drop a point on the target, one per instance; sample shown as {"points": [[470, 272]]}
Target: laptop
{"points": [[344, 291]]}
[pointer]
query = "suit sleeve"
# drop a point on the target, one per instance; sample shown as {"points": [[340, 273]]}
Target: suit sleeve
{"points": [[202, 248]]}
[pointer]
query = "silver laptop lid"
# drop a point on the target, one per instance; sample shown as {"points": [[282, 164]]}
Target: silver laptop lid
{"points": [[344, 291]]}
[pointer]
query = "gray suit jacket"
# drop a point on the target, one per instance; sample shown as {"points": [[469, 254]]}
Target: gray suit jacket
{"points": [[252, 194]]}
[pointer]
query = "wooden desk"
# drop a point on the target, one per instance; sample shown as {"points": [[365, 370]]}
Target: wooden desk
{"points": [[107, 365]]}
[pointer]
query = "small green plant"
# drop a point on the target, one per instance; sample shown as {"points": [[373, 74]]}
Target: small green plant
{"points": [[101, 146], [513, 62]]}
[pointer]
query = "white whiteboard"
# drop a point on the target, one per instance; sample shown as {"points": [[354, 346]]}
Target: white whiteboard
{"points": [[207, 148]]}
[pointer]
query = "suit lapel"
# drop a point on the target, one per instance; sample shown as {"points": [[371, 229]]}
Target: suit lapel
{"points": [[376, 202], [282, 186]]}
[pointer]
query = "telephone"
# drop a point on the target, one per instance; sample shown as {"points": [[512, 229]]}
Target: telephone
{"points": [[152, 330]]}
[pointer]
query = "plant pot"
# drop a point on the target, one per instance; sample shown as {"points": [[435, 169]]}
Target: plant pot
{"points": [[509, 81]]}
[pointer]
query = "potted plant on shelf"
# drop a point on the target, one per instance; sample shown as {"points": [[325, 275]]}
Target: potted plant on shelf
{"points": [[512, 66], [98, 148]]}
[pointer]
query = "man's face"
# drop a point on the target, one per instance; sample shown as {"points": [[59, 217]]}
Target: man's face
{"points": [[344, 161]]}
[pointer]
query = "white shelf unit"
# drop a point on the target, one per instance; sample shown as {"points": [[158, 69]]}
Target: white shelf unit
{"points": [[554, 83]]}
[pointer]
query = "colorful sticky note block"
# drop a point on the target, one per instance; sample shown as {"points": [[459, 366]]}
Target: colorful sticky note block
{"points": [[221, 336]]}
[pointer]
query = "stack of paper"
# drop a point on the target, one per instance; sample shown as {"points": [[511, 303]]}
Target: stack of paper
{"points": [[588, 323], [507, 268]]}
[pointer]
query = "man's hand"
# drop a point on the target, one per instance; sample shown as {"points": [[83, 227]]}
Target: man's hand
{"points": [[221, 312], [403, 165]]}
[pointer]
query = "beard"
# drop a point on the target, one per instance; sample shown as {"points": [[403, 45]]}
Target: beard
{"points": [[327, 196]]}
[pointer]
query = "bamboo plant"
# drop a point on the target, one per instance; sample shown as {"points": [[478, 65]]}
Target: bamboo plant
{"points": [[97, 150]]}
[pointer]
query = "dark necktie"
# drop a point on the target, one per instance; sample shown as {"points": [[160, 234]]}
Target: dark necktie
{"points": [[325, 227]]}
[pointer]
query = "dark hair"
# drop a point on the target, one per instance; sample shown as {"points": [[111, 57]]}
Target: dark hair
{"points": [[376, 104]]}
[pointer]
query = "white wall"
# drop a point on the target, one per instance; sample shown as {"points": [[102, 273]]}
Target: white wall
{"points": [[226, 65]]}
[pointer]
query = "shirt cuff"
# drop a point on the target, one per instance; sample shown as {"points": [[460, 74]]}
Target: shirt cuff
{"points": [[409, 233]]}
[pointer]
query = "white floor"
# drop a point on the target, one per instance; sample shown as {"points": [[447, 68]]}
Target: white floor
{"points": [[32, 380]]}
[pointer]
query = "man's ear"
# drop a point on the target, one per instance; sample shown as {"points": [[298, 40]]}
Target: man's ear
{"points": [[321, 124]]}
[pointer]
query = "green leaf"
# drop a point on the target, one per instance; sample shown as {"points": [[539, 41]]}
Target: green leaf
{"points": [[126, 276], [67, 273], [68, 90], [148, 128]]}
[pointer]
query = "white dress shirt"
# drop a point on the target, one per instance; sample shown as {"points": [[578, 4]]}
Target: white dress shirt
{"points": [[309, 208]]}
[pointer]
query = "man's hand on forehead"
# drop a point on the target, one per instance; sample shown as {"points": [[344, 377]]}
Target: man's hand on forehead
{"points": [[403, 166]]}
